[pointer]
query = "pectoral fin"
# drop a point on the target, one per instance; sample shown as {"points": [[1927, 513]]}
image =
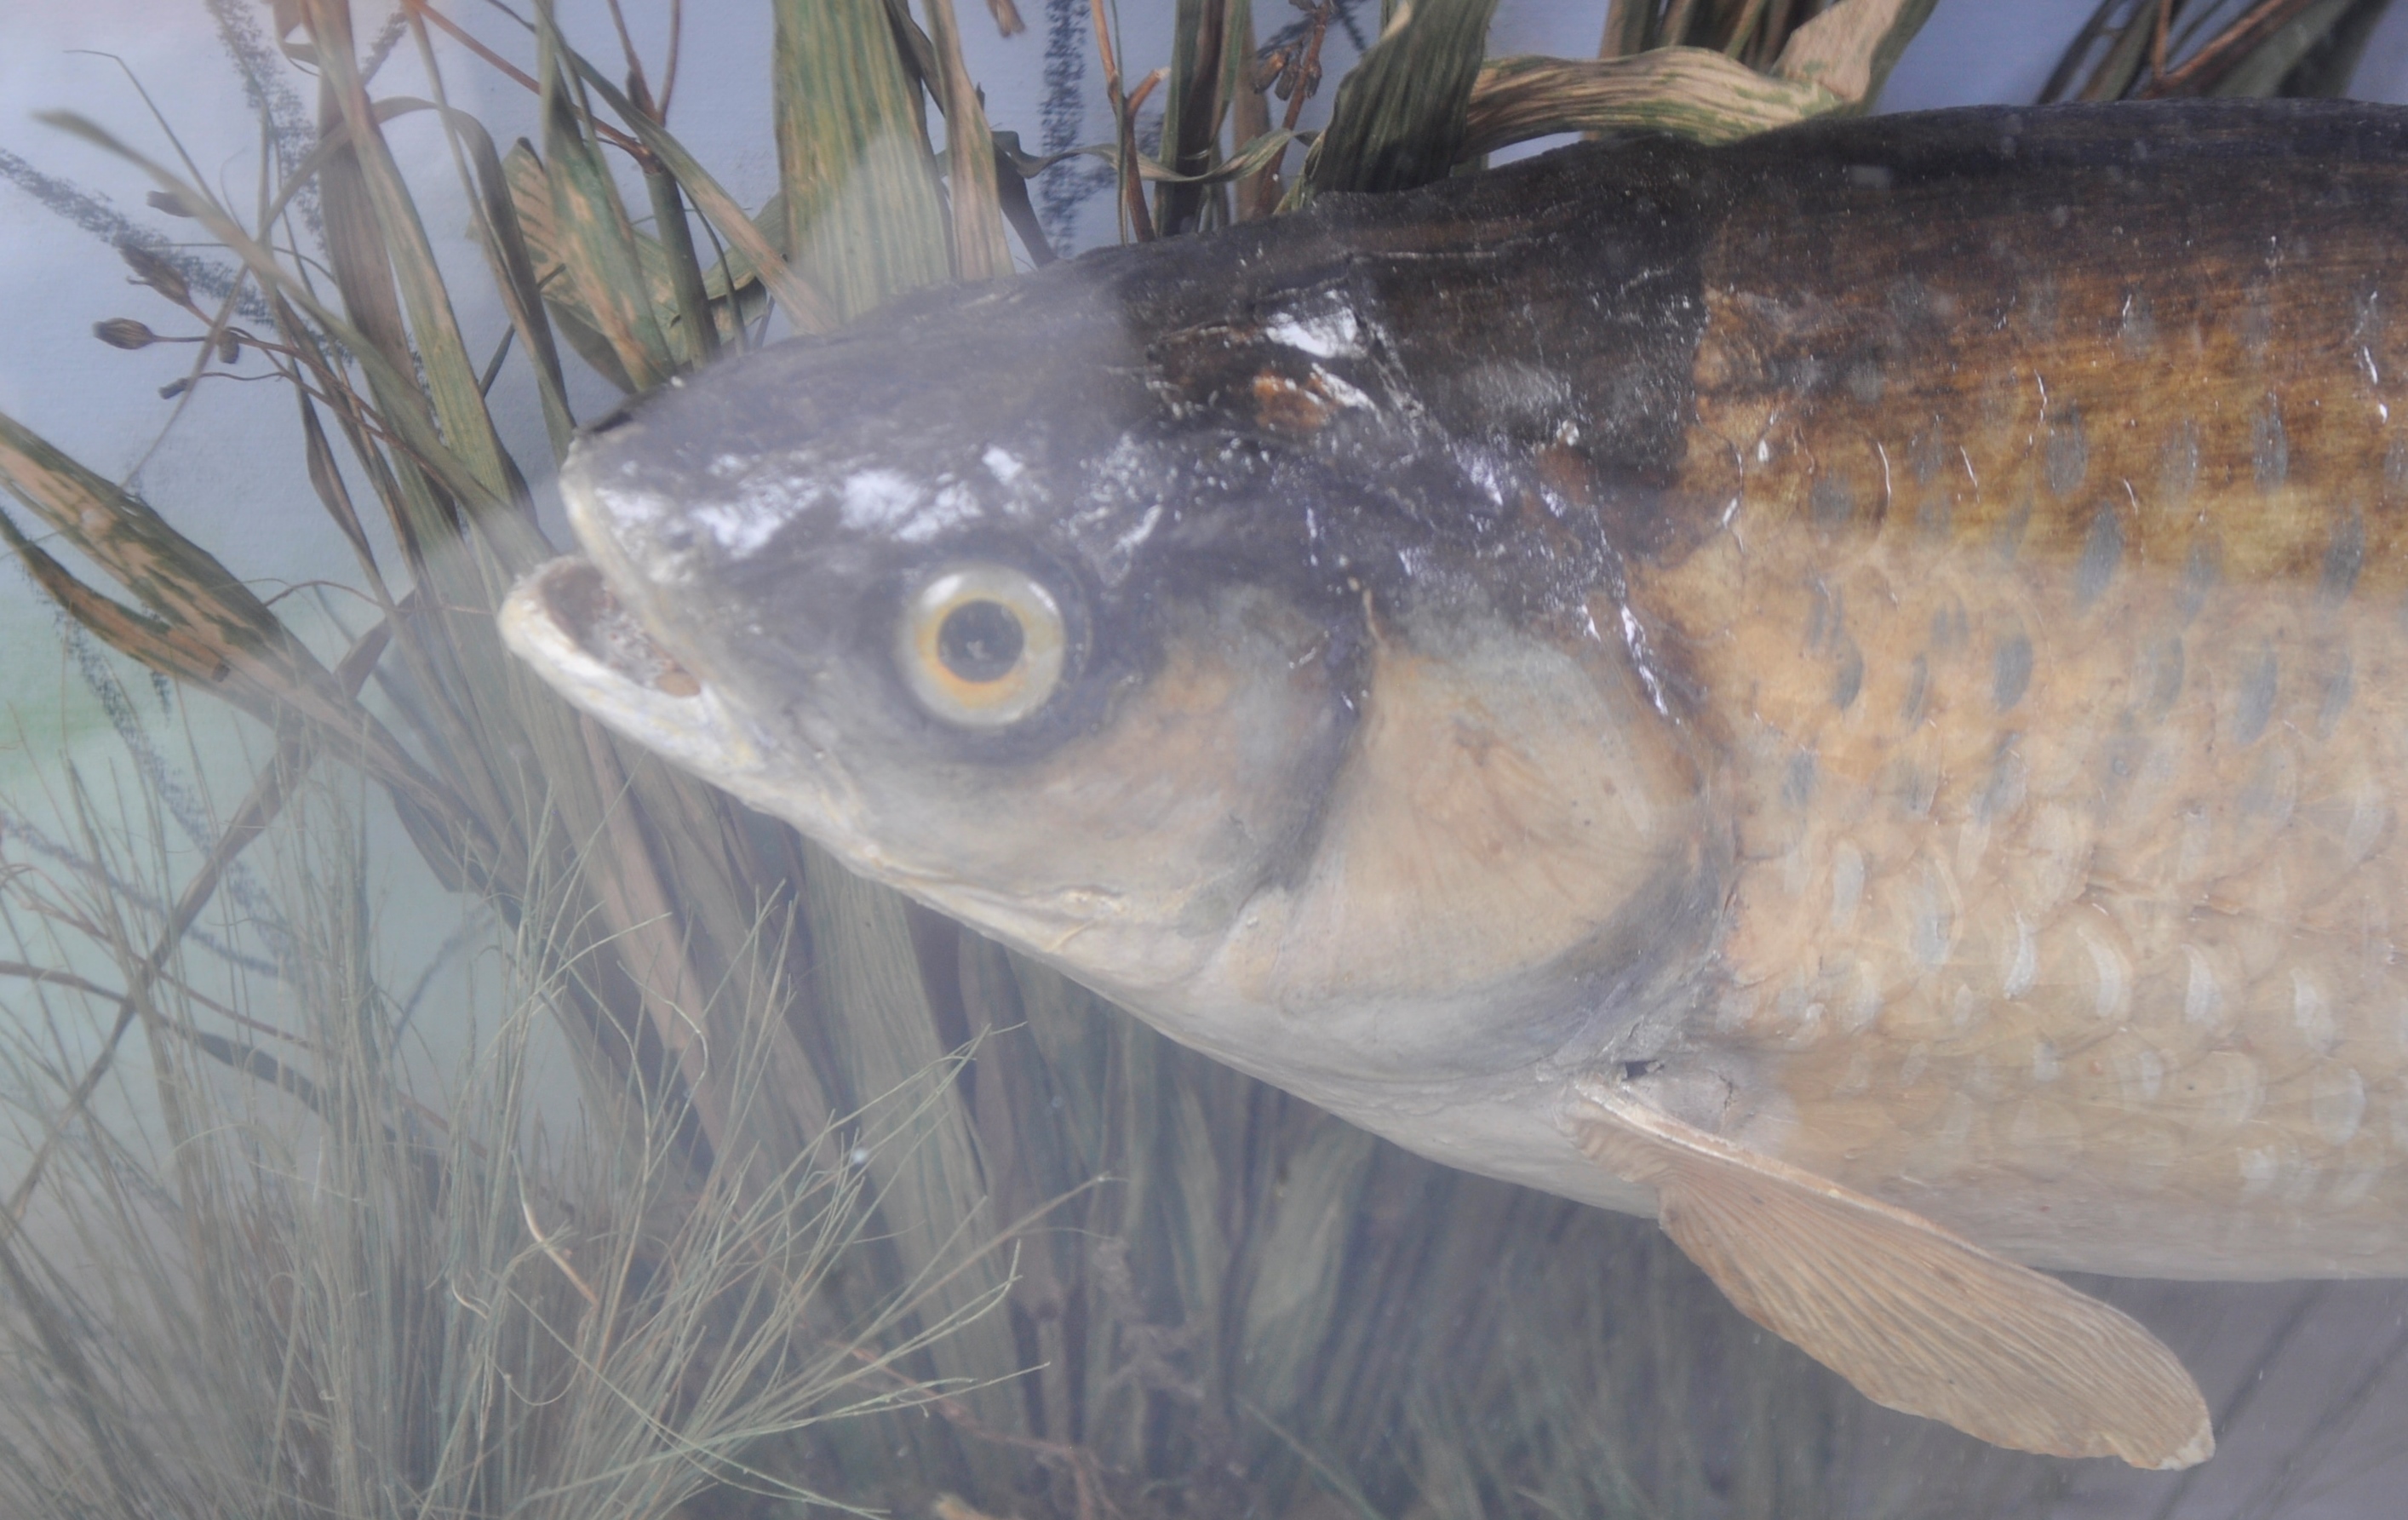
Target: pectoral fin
{"points": [[1917, 1318]]}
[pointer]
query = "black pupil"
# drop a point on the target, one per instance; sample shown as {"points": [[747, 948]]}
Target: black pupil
{"points": [[980, 641]]}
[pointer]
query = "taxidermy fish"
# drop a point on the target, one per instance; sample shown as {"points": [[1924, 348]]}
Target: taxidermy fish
{"points": [[1849, 690]]}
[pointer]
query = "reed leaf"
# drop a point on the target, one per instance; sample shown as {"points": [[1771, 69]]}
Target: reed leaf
{"points": [[1850, 48], [806, 306], [531, 197], [2269, 48], [2121, 67], [2269, 66], [1629, 28], [402, 407], [1194, 103], [530, 190], [2251, 54], [979, 251], [2328, 64], [503, 241], [1299, 1268], [693, 325], [1691, 92], [857, 187], [1399, 119], [450, 375], [490, 712], [206, 626], [590, 233], [936, 1187]]}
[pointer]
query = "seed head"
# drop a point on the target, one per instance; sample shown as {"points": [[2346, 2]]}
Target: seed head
{"points": [[156, 272], [123, 333]]}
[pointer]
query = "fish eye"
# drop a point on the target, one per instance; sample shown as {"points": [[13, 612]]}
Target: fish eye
{"points": [[982, 645]]}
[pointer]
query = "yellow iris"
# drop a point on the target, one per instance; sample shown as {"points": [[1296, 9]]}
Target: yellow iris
{"points": [[982, 645]]}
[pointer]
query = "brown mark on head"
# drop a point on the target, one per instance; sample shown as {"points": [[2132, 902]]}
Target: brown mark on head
{"points": [[1283, 406]]}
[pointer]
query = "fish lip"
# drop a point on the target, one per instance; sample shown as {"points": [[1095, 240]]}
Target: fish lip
{"points": [[572, 598], [563, 620]]}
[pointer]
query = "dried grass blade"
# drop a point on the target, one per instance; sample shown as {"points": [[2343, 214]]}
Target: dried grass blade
{"points": [[122, 1461], [593, 235], [979, 251], [857, 186], [2203, 70], [695, 330], [1137, 221], [401, 407], [1250, 116], [1400, 118], [499, 235], [531, 196], [450, 375], [1850, 48], [211, 629], [1192, 109], [1249, 159], [1693, 91], [807, 308], [257, 809]]}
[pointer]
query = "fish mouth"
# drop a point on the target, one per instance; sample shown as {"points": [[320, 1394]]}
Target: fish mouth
{"points": [[565, 620], [570, 602]]}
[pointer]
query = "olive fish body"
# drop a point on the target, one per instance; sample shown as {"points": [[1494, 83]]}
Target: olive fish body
{"points": [[2053, 653], [1839, 690]]}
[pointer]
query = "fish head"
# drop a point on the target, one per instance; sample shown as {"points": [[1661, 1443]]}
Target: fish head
{"points": [[1117, 612]]}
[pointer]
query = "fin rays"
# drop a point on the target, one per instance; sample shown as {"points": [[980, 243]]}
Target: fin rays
{"points": [[1917, 1318]]}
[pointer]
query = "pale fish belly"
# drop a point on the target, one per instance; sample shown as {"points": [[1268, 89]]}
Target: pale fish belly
{"points": [[2061, 695]]}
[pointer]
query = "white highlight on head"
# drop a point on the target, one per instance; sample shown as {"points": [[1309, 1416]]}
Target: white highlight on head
{"points": [[738, 530], [1324, 335], [636, 508], [1126, 544], [1337, 390], [876, 499], [953, 504], [1000, 464], [1634, 639]]}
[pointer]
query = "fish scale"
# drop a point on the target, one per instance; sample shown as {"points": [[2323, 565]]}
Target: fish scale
{"points": [[2088, 636]]}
